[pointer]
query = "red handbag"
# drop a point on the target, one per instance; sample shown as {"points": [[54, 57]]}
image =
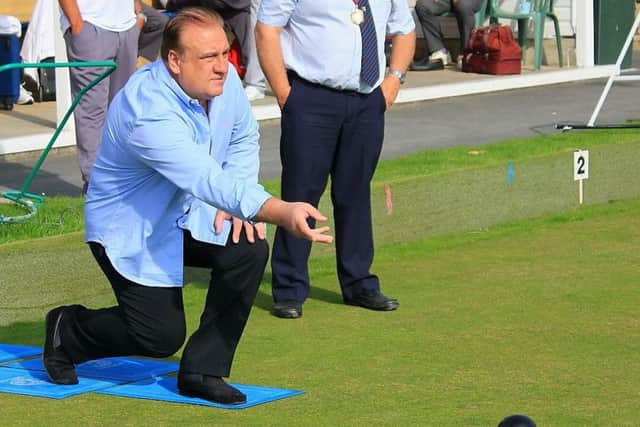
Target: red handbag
{"points": [[492, 50], [235, 58]]}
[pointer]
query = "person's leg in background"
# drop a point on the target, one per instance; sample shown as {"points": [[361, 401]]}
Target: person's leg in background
{"points": [[355, 162], [465, 11], [92, 44], [97, 44], [151, 34], [311, 122], [125, 56], [436, 55], [254, 80], [236, 272]]}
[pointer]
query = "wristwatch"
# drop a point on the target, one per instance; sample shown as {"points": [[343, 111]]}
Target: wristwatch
{"points": [[141, 15], [399, 74]]}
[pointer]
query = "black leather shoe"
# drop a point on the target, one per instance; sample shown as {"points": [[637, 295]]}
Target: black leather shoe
{"points": [[57, 363], [426, 65], [373, 300], [287, 309], [209, 388]]}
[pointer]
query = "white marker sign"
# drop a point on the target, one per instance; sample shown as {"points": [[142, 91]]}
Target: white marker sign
{"points": [[580, 165], [580, 170]]}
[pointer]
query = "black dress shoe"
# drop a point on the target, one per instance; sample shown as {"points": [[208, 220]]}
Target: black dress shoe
{"points": [[373, 300], [287, 309], [209, 388], [426, 65], [57, 363]]}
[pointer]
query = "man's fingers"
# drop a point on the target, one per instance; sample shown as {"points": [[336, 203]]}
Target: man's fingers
{"points": [[218, 222], [261, 230], [248, 229], [318, 235], [315, 214], [237, 229]]}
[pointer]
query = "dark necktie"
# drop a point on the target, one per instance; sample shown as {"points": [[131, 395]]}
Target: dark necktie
{"points": [[369, 67]]}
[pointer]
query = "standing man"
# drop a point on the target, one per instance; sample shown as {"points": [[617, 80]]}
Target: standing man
{"points": [[179, 139], [324, 60], [97, 30], [429, 11]]}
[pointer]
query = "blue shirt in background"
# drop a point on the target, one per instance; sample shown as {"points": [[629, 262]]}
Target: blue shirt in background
{"points": [[162, 165], [321, 44]]}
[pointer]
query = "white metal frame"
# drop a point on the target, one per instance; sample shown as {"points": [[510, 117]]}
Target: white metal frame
{"points": [[615, 75]]}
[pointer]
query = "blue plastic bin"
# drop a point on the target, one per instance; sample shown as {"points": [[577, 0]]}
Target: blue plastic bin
{"points": [[10, 79]]}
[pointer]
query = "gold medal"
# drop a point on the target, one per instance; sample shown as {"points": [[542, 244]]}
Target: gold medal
{"points": [[357, 16]]}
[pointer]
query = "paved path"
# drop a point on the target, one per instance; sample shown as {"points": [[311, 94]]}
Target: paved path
{"points": [[469, 120]]}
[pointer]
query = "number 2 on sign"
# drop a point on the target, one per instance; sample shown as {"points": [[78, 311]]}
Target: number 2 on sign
{"points": [[580, 165]]}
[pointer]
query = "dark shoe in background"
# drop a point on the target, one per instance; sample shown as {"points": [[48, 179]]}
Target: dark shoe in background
{"points": [[287, 309], [426, 65], [209, 388], [373, 300], [57, 363]]}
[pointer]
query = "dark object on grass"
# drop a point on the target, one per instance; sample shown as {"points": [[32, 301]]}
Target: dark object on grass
{"points": [[571, 126], [517, 421]]}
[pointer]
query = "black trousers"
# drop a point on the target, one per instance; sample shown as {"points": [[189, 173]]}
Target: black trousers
{"points": [[150, 321], [327, 132], [428, 12]]}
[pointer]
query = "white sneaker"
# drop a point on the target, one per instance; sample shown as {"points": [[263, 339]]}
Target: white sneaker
{"points": [[441, 55], [25, 97], [253, 93]]}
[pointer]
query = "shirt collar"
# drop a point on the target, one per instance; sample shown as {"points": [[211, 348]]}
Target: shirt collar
{"points": [[162, 74]]}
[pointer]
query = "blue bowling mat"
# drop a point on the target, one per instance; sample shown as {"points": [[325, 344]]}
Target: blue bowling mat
{"points": [[36, 383], [165, 389], [121, 369], [13, 352]]}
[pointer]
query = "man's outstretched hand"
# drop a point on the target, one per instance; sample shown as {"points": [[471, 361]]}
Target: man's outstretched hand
{"points": [[293, 216]]}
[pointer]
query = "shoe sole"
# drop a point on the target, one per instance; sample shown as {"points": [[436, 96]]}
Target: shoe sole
{"points": [[198, 396], [286, 315], [391, 307]]}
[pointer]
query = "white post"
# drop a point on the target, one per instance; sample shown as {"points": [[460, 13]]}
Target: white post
{"points": [[581, 190], [63, 87], [616, 73], [584, 33]]}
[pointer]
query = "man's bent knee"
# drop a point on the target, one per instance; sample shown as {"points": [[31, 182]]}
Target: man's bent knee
{"points": [[161, 341]]}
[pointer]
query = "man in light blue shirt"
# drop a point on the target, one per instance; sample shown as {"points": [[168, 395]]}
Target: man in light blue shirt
{"points": [[324, 60], [179, 139]]}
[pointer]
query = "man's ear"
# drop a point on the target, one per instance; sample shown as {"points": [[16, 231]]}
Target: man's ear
{"points": [[173, 62]]}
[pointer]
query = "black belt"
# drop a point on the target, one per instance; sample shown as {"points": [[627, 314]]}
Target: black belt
{"points": [[292, 75]]}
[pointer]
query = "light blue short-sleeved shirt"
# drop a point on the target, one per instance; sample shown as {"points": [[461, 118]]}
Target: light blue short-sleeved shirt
{"points": [[321, 43], [162, 166]]}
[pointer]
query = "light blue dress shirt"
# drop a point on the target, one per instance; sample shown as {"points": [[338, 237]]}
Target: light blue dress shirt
{"points": [[162, 164], [321, 43]]}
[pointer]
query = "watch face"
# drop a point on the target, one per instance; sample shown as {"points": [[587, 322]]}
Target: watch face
{"points": [[400, 75]]}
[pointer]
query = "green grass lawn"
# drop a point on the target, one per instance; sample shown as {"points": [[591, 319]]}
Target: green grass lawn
{"points": [[514, 299]]}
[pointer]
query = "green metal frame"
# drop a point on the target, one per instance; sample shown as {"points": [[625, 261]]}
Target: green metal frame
{"points": [[33, 201], [539, 11]]}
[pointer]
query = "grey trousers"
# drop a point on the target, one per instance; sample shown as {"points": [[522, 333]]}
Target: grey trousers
{"points": [[254, 75], [97, 44], [151, 35], [428, 12]]}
